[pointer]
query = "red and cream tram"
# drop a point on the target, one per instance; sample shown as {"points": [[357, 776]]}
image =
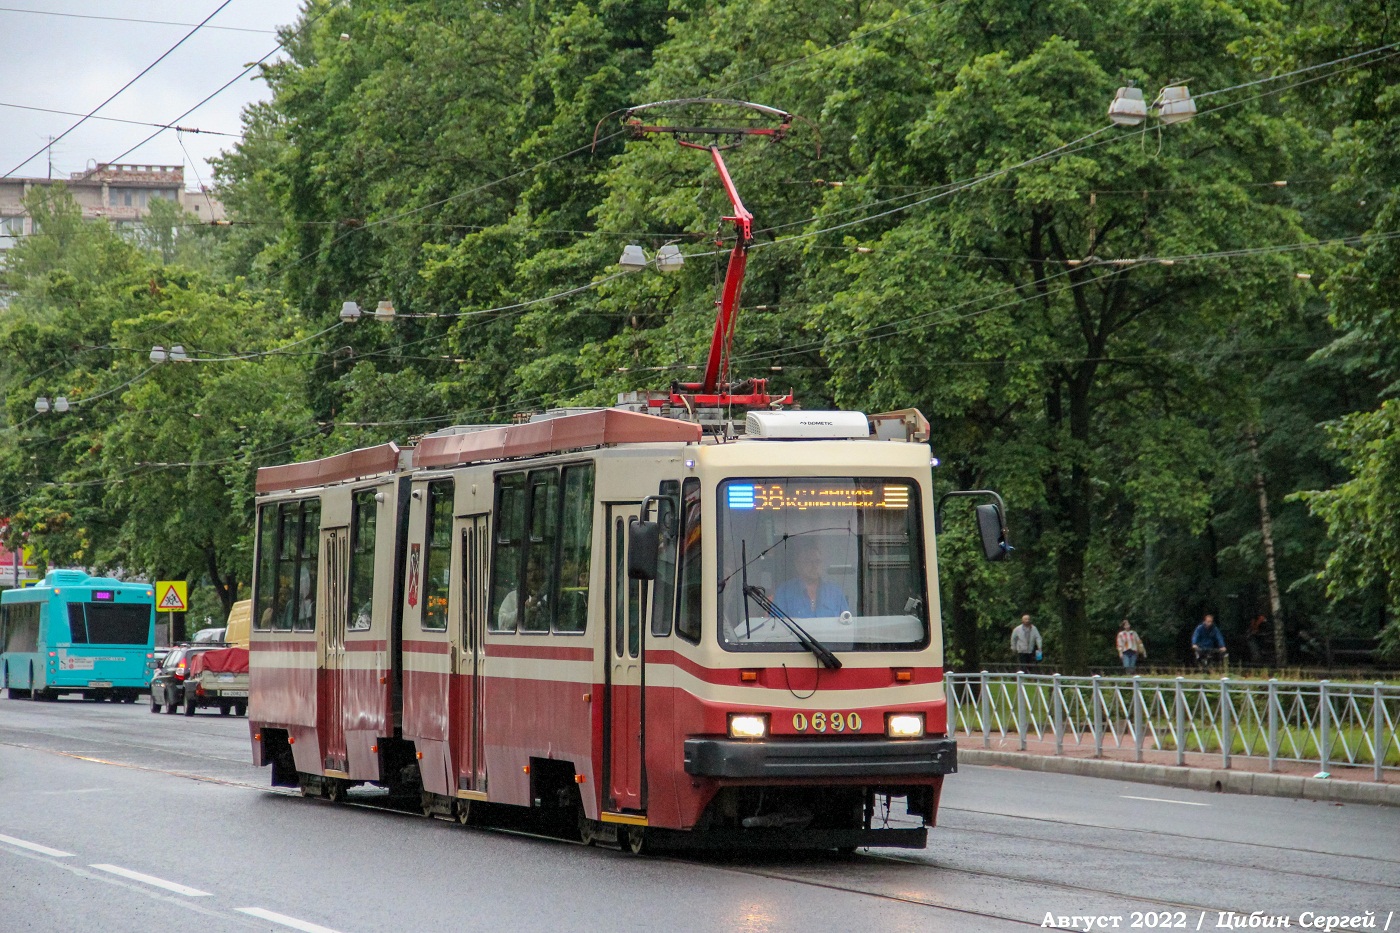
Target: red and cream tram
{"points": [[681, 636], [721, 637]]}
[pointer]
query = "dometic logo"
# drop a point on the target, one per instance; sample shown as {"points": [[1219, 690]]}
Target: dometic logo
{"points": [[818, 424]]}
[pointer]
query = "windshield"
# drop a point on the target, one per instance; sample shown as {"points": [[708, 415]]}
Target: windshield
{"points": [[841, 557]]}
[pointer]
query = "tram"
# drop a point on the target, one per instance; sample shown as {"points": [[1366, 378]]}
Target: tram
{"points": [[654, 623]]}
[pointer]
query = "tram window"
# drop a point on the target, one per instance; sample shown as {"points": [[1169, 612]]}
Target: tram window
{"points": [[541, 567], [310, 551], [437, 559], [267, 567], [688, 599], [508, 547], [619, 588], [288, 543], [364, 520], [575, 549], [663, 606]]}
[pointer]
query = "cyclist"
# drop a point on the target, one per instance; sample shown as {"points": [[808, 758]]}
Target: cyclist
{"points": [[1207, 642]]}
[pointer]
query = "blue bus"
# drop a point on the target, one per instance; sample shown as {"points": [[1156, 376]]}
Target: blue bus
{"points": [[72, 633]]}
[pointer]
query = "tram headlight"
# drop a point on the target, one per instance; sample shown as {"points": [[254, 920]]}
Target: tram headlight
{"points": [[747, 726], [904, 725]]}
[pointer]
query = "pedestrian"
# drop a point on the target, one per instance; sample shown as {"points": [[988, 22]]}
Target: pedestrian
{"points": [[1256, 627], [1025, 642], [1130, 646]]}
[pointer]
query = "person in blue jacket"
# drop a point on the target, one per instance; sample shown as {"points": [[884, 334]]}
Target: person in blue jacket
{"points": [[1206, 641], [807, 596]]}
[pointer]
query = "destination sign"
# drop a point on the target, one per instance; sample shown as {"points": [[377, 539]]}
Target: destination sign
{"points": [[775, 497]]}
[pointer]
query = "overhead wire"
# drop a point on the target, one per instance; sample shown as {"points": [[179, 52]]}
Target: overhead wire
{"points": [[166, 126], [126, 19], [166, 54]]}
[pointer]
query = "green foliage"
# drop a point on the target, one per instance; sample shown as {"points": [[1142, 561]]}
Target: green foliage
{"points": [[955, 229]]}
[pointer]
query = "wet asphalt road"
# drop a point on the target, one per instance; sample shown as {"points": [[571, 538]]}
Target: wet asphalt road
{"points": [[115, 819]]}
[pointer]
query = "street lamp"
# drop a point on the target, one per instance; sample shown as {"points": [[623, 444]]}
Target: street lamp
{"points": [[176, 354], [667, 259], [1172, 105], [633, 258]]}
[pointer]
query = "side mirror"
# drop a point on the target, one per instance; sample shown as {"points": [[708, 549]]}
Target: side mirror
{"points": [[643, 549], [991, 527]]}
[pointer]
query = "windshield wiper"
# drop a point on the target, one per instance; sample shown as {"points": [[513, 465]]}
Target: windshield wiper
{"points": [[804, 638], [743, 567]]}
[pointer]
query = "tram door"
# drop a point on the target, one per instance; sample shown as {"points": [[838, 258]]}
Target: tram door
{"points": [[626, 781], [468, 657], [334, 597]]}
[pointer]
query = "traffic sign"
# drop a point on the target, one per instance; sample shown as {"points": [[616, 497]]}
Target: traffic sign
{"points": [[171, 596]]}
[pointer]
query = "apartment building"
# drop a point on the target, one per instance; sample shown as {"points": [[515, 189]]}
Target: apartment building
{"points": [[120, 193]]}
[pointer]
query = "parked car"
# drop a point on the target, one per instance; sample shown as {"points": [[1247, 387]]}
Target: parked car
{"points": [[168, 684], [208, 636]]}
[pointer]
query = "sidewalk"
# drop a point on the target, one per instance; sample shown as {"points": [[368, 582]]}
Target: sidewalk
{"points": [[1201, 772]]}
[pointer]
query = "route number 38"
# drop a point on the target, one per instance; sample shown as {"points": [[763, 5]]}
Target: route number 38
{"points": [[826, 722]]}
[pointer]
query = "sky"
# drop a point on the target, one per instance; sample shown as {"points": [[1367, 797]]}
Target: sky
{"points": [[74, 61]]}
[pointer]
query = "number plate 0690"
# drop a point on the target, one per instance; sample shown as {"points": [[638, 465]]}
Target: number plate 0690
{"points": [[826, 722]]}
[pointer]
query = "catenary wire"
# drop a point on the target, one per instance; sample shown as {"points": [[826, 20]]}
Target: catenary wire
{"points": [[119, 90]]}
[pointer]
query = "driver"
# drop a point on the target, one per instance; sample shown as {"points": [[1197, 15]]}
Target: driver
{"points": [[806, 596]]}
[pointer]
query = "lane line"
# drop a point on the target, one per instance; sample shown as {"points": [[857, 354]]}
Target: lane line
{"points": [[152, 880], [35, 847], [1184, 803], [283, 919]]}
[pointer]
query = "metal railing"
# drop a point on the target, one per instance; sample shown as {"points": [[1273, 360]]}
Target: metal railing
{"points": [[1317, 722]]}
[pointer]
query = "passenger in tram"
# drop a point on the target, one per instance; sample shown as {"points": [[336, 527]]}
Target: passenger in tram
{"points": [[807, 595]]}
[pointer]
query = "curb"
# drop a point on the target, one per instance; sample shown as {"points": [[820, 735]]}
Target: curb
{"points": [[1207, 779]]}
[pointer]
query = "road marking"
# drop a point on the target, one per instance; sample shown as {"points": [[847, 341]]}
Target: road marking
{"points": [[1184, 803], [35, 847], [152, 880], [283, 919]]}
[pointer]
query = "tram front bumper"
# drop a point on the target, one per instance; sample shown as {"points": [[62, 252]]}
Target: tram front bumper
{"points": [[821, 758]]}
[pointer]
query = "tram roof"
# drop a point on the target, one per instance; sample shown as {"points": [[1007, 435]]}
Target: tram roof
{"points": [[356, 464], [601, 428], [452, 447]]}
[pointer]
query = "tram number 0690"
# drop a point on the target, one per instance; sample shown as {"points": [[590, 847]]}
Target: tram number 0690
{"points": [[826, 722]]}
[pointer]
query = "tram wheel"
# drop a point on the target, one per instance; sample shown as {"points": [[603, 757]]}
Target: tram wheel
{"points": [[585, 829], [636, 840], [307, 786], [463, 810], [335, 790]]}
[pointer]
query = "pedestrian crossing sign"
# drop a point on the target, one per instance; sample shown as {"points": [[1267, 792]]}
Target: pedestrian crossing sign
{"points": [[171, 596]]}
